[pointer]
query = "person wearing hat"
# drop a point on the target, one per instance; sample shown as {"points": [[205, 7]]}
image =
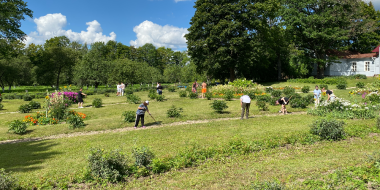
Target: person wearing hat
{"points": [[140, 113], [245, 103]]}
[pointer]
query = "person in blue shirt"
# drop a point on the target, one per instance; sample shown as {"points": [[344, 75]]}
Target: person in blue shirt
{"points": [[317, 95], [140, 113]]}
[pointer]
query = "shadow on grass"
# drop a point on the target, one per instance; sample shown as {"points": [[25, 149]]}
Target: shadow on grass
{"points": [[27, 156], [28, 132], [223, 112], [153, 123]]}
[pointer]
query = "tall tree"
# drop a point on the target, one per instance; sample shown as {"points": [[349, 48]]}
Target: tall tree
{"points": [[11, 14]]}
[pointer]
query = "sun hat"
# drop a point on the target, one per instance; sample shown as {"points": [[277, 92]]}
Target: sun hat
{"points": [[147, 102]]}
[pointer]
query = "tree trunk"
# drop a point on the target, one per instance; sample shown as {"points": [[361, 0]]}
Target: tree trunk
{"points": [[3, 89], [232, 74], [10, 87], [96, 85], [279, 76]]}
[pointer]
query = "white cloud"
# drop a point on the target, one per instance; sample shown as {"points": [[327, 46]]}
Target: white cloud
{"points": [[168, 36], [51, 25]]}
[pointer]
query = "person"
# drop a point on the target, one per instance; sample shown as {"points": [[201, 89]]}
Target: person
{"points": [[140, 113], [329, 93], [195, 86], [118, 89], [158, 84], [245, 103], [283, 101], [317, 95], [159, 89], [204, 89], [122, 88], [80, 98]]}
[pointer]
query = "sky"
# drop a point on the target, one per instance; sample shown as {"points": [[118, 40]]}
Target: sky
{"points": [[131, 22]]}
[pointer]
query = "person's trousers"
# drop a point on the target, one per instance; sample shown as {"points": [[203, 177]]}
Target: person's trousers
{"points": [[138, 117], [245, 108]]}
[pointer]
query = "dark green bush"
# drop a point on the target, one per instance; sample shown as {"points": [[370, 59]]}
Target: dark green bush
{"points": [[341, 86], [268, 185], [133, 99], [289, 90], [323, 85], [252, 95], [1, 106], [9, 97], [193, 95], [58, 111], [143, 156], [109, 166], [208, 95], [262, 105], [90, 93], [17, 127], [299, 103], [276, 93], [27, 97], [268, 89], [305, 89], [130, 91], [228, 95], [75, 121], [264, 98], [171, 89], [328, 129], [129, 116], [106, 95], [360, 85], [152, 95], [359, 76], [160, 98], [174, 111], [219, 105], [24, 108], [35, 105], [182, 93], [97, 103], [7, 181]]}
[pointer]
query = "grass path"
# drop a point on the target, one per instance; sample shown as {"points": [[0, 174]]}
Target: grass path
{"points": [[77, 134]]}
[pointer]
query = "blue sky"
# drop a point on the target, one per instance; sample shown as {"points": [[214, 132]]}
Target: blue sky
{"points": [[161, 22]]}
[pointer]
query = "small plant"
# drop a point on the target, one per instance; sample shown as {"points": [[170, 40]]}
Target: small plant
{"points": [[269, 89], [17, 127], [171, 89], [152, 95], [174, 111], [160, 98], [24, 108], [129, 116], [193, 95], [305, 89], [289, 90], [268, 185], [35, 105], [374, 158], [1, 106], [7, 181], [262, 105], [182, 94], [276, 93], [208, 95], [360, 85], [328, 129], [27, 97], [143, 156], [97, 103], [219, 106], [133, 99], [106, 95], [75, 121], [341, 85], [228, 95]]}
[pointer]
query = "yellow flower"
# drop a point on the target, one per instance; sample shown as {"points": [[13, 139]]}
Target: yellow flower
{"points": [[65, 86], [47, 97], [60, 88]]}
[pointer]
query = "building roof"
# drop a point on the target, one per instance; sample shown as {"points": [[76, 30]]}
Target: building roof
{"points": [[376, 50], [352, 55]]}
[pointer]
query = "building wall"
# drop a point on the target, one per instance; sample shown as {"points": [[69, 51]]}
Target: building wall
{"points": [[344, 68]]}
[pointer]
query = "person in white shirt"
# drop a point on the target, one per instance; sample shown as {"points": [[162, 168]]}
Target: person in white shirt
{"points": [[158, 84], [118, 89], [122, 86], [245, 103]]}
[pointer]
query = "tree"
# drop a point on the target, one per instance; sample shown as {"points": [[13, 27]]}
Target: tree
{"points": [[11, 14], [128, 71]]}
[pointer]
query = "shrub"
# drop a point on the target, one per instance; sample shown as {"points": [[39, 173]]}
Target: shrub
{"points": [[323, 85], [262, 105], [152, 95], [174, 112], [143, 156], [208, 95], [97, 103], [171, 89], [264, 98], [27, 97], [17, 127], [289, 90], [24, 108], [228, 95], [359, 76], [360, 85], [328, 129], [242, 83], [133, 99], [269, 89], [7, 181], [58, 111], [129, 116], [182, 93], [160, 98], [106, 95], [75, 121], [378, 123], [341, 86], [128, 91], [299, 103], [305, 89], [219, 106], [109, 166], [189, 88], [268, 185], [193, 95], [1, 106], [35, 105], [276, 93], [251, 95]]}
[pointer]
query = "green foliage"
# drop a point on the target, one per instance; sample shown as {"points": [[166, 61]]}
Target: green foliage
{"points": [[269, 89], [97, 103], [208, 95], [152, 95], [276, 93], [360, 85], [75, 121], [358, 76], [193, 95], [7, 181], [327, 80], [328, 129], [305, 89], [160, 98], [219, 105], [129, 116], [374, 158], [13, 12], [133, 99], [182, 93], [174, 112], [228, 96], [130, 91], [108, 166], [26, 108], [106, 95], [58, 111], [1, 98], [268, 185], [264, 98], [143, 156], [1, 106], [341, 86], [323, 86], [27, 97], [251, 95], [289, 90], [17, 127], [262, 105], [35, 105], [378, 123], [188, 88], [242, 83], [171, 89]]}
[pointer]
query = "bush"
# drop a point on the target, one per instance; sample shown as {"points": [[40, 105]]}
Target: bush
{"points": [[106, 95], [305, 89], [208, 95], [276, 93], [174, 112], [193, 95], [128, 91], [171, 89], [262, 105], [109, 166], [228, 95], [359, 76], [219, 106], [251, 95], [27, 97], [269, 89], [264, 98], [152, 95], [328, 129], [1, 106], [17, 127], [341, 86], [182, 94], [97, 103], [133, 99], [189, 88], [129, 116], [289, 90], [160, 98], [35, 105], [143, 156], [323, 85], [58, 111], [7, 181], [299, 102], [24, 108], [75, 121], [360, 85]]}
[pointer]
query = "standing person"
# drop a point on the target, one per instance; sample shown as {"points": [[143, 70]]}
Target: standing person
{"points": [[317, 95], [117, 89], [158, 84], [329, 94], [283, 101], [194, 87], [122, 89], [204, 89], [140, 113], [159, 89], [80, 98], [245, 103]]}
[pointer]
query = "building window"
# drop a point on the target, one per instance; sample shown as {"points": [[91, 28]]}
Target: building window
{"points": [[354, 65], [366, 66]]}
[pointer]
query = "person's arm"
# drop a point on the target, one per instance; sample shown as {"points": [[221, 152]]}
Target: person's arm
{"points": [[241, 102]]}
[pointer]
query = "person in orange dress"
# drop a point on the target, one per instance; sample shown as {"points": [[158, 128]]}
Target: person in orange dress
{"points": [[204, 89]]}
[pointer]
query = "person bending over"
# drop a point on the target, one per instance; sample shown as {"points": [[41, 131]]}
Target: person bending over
{"points": [[140, 113], [283, 101], [329, 93]]}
